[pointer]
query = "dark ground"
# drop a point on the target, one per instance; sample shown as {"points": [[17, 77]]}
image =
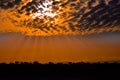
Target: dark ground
{"points": [[59, 71]]}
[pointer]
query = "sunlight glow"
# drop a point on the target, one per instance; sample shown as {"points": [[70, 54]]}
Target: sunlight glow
{"points": [[44, 10]]}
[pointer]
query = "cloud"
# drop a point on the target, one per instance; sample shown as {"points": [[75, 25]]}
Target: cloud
{"points": [[6, 4], [72, 17]]}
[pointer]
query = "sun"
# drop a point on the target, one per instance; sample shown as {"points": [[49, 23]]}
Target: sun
{"points": [[44, 9]]}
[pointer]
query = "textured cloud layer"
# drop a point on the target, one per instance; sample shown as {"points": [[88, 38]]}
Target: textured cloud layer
{"points": [[71, 16]]}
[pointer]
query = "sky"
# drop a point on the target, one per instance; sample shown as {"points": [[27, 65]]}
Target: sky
{"points": [[59, 31], [17, 47]]}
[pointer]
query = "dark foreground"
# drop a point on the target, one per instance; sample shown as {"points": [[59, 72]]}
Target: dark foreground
{"points": [[59, 71]]}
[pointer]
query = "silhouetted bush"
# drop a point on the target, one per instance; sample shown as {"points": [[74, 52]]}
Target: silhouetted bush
{"points": [[59, 69]]}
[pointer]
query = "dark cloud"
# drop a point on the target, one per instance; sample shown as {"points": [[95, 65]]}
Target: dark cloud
{"points": [[5, 4], [102, 15], [30, 7]]}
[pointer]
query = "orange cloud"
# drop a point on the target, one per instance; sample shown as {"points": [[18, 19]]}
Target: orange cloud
{"points": [[72, 17]]}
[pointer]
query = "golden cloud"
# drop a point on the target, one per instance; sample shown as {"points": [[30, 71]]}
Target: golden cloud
{"points": [[58, 17]]}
